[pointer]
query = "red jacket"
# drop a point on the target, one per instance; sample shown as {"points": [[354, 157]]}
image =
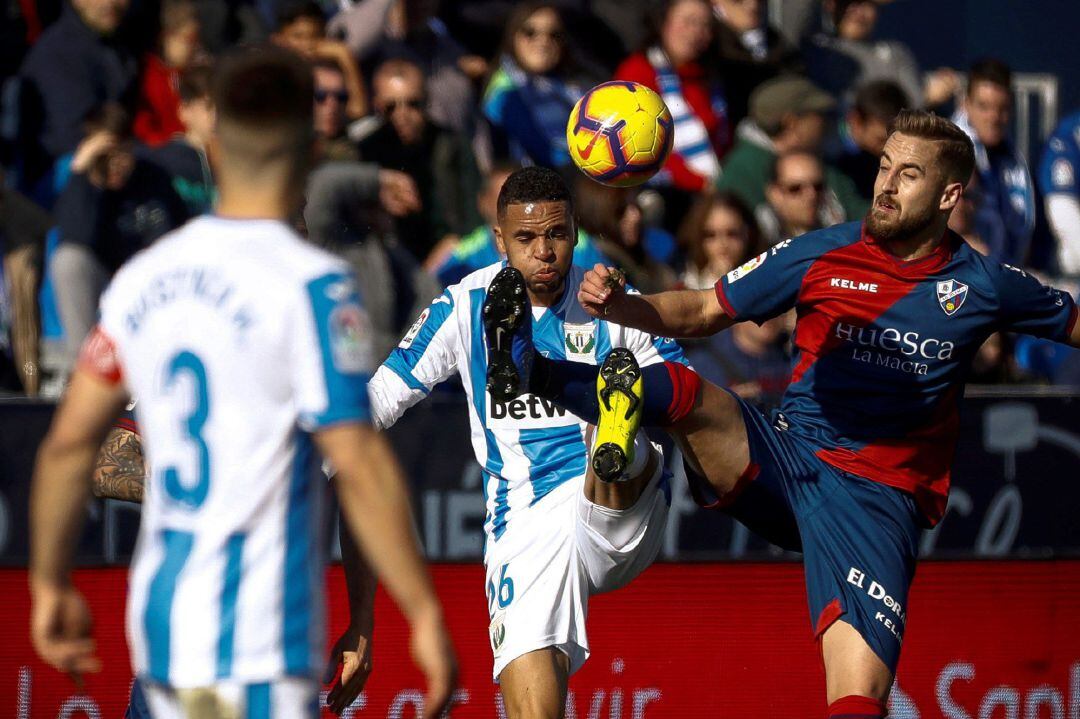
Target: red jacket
{"points": [[157, 118], [699, 96]]}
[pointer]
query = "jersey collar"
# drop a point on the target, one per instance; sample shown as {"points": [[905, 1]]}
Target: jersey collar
{"points": [[927, 265]]}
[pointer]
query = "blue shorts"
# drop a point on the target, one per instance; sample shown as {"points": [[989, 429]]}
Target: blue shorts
{"points": [[859, 538]]}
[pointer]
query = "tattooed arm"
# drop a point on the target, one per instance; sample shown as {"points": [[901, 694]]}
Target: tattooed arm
{"points": [[120, 472]]}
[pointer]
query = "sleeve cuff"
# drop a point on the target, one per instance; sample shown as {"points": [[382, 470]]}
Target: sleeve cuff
{"points": [[723, 300]]}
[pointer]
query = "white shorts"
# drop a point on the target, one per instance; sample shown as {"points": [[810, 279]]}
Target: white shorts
{"points": [[543, 569], [284, 698]]}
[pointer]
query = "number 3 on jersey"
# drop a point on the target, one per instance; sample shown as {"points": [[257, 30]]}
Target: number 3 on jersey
{"points": [[187, 492]]}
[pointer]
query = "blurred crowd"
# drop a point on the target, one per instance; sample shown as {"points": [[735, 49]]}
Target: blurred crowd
{"points": [[423, 108]]}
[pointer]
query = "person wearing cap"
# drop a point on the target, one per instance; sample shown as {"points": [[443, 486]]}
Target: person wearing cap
{"points": [[787, 114]]}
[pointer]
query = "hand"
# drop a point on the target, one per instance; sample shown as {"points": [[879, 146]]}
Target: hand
{"points": [[352, 653], [397, 193], [90, 150], [336, 50], [941, 86], [434, 656], [60, 630], [601, 289], [475, 67]]}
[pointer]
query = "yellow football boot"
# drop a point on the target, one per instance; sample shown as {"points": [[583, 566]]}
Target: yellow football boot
{"points": [[621, 392]]}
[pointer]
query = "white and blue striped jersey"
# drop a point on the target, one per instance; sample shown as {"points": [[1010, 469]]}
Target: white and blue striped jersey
{"points": [[239, 339], [526, 447]]}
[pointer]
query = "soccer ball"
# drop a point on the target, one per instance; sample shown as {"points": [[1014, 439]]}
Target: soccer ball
{"points": [[620, 133]]}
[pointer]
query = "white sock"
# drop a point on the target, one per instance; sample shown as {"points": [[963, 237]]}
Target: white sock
{"points": [[642, 451]]}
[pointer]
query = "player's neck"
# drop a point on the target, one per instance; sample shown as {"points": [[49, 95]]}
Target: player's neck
{"points": [[547, 300], [917, 246], [253, 203]]}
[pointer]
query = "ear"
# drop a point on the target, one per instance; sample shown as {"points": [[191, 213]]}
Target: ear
{"points": [[950, 196], [500, 243]]}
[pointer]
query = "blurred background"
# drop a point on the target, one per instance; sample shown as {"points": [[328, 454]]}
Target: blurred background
{"points": [[422, 109]]}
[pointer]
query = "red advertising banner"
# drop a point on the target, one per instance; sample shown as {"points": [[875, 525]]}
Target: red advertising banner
{"points": [[986, 640]]}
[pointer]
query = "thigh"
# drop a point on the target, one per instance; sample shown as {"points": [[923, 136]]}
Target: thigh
{"points": [[533, 686], [713, 439], [860, 545], [759, 497], [614, 546], [537, 592]]}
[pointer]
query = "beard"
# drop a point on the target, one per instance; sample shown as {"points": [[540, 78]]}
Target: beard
{"points": [[891, 227]]}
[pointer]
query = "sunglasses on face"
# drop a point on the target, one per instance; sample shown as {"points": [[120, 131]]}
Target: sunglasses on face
{"points": [[411, 103], [797, 188], [322, 96], [531, 33]]}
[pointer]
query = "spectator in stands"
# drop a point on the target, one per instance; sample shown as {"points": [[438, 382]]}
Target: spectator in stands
{"points": [[114, 205], [850, 58], [675, 63], [440, 162], [994, 362], [184, 157], [531, 93], [863, 138], [749, 360], [787, 114], [751, 51], [612, 217], [719, 234], [157, 115], [380, 30], [798, 200], [1060, 190], [965, 222], [477, 249], [78, 63], [301, 27], [22, 242], [349, 210], [1004, 177], [331, 97]]}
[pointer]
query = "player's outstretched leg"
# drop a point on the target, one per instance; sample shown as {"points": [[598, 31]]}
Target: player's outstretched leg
{"points": [[620, 391], [507, 319]]}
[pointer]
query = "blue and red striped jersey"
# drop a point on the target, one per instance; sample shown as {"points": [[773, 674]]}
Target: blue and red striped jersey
{"points": [[883, 346]]}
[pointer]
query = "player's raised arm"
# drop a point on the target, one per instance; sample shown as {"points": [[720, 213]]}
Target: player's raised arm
{"points": [[677, 313], [60, 621], [375, 503]]}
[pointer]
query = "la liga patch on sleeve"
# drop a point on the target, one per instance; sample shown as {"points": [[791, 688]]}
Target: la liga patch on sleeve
{"points": [[350, 339]]}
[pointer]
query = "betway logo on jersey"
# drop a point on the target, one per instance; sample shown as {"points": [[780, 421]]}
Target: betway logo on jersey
{"points": [[527, 412], [893, 348]]}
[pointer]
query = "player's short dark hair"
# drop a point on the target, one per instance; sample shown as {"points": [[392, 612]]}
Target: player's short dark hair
{"points": [[290, 12], [533, 184], [195, 82], [264, 97], [880, 100], [956, 154], [992, 70]]}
